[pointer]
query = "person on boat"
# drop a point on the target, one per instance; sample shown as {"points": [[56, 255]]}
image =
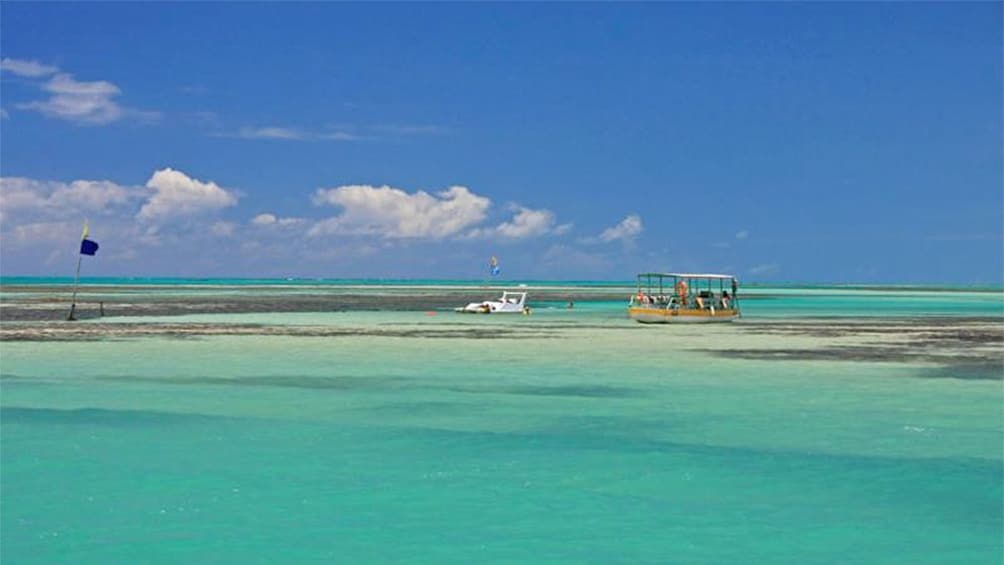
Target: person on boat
{"points": [[681, 292], [725, 300]]}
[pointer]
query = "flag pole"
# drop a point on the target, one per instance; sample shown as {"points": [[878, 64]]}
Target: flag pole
{"points": [[76, 277], [76, 282]]}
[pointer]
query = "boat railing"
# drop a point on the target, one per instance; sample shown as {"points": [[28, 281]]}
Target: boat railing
{"points": [[692, 302]]}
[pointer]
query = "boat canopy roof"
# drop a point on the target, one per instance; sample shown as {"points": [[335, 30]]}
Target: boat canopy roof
{"points": [[688, 275]]}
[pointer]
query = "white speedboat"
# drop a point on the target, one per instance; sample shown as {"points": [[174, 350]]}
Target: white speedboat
{"points": [[510, 303]]}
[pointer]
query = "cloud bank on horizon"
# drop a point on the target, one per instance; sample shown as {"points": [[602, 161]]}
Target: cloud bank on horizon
{"points": [[40, 217]]}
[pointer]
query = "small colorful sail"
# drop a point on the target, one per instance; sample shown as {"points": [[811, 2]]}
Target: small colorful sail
{"points": [[493, 265]]}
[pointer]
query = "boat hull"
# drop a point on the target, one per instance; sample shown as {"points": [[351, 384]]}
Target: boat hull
{"points": [[487, 311], [510, 303], [681, 316]]}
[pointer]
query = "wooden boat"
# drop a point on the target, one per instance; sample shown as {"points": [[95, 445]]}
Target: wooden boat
{"points": [[665, 298]]}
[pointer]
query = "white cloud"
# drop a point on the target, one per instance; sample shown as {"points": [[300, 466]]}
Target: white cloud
{"points": [[335, 132], [3, 113], [264, 219], [742, 234], [338, 136], [627, 230], [526, 222], [292, 134], [270, 133], [80, 102], [224, 229], [88, 103], [22, 194], [562, 229], [393, 213], [26, 68], [33, 198], [177, 194], [41, 218], [94, 195], [272, 220], [47, 232]]}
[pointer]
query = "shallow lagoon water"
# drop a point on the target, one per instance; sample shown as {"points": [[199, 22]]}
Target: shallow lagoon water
{"points": [[565, 436]]}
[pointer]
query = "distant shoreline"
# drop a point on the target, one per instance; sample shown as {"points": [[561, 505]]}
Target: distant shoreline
{"points": [[14, 284]]}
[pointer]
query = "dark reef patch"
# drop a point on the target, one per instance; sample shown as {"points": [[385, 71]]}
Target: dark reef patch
{"points": [[305, 382], [95, 332], [347, 383], [97, 416], [965, 348], [52, 303], [580, 391]]}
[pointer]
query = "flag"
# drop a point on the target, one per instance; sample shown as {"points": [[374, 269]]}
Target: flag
{"points": [[87, 247]]}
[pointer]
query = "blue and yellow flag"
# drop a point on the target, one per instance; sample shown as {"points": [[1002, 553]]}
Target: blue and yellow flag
{"points": [[87, 247]]}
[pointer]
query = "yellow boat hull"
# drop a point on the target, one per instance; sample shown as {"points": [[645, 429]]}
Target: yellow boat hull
{"points": [[671, 316]]}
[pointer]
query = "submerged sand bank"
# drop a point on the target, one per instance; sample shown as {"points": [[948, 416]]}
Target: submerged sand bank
{"points": [[953, 346], [969, 348]]}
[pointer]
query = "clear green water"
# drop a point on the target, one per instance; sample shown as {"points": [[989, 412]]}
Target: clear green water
{"points": [[583, 438]]}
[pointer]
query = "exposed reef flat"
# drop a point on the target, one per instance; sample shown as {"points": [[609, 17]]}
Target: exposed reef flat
{"points": [[66, 331], [964, 347], [52, 302]]}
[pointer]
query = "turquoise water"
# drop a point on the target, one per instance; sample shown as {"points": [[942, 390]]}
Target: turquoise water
{"points": [[566, 436]]}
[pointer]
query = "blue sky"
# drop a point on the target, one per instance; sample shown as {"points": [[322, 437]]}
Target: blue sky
{"points": [[781, 142]]}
